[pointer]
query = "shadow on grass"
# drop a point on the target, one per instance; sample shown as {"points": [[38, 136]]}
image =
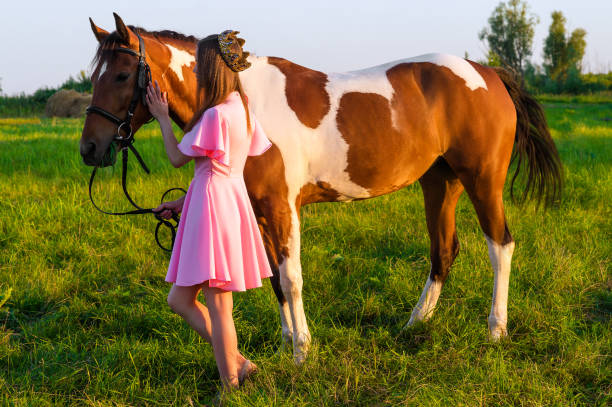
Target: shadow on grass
{"points": [[414, 338], [599, 308]]}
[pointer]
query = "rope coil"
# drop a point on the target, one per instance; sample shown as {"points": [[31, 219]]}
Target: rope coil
{"points": [[139, 210]]}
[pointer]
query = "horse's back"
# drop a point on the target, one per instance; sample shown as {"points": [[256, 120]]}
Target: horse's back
{"points": [[372, 131], [398, 118]]}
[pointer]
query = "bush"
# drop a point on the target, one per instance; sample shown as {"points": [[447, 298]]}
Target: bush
{"points": [[598, 82], [22, 105], [574, 83], [81, 83]]}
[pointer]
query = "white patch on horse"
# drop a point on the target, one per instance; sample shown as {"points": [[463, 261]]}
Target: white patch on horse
{"points": [[501, 257], [459, 66], [427, 302], [369, 80], [102, 69], [306, 149], [179, 59]]}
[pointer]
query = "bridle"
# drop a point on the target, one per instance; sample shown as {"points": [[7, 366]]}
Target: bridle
{"points": [[124, 143], [140, 88]]}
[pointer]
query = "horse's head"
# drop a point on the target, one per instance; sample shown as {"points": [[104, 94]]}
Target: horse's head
{"points": [[115, 81]]}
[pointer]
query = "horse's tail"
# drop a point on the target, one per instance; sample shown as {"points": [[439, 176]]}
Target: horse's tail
{"points": [[534, 147]]}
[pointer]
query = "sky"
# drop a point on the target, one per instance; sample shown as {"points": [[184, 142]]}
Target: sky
{"points": [[43, 42]]}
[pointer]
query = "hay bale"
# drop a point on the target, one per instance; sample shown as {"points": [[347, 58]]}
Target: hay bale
{"points": [[67, 103]]}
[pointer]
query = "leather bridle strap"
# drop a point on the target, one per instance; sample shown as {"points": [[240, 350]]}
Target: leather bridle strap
{"points": [[105, 114]]}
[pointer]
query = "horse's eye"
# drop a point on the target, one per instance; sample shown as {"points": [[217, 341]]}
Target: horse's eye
{"points": [[122, 77]]}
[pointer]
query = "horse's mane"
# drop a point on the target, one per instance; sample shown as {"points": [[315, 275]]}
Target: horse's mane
{"points": [[104, 51], [165, 34]]}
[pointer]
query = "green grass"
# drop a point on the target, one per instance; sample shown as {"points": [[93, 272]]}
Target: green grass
{"points": [[84, 318]]}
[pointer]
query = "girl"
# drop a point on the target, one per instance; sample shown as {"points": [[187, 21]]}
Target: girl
{"points": [[218, 247]]}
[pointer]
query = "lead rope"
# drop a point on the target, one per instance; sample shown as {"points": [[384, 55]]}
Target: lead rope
{"points": [[139, 210]]}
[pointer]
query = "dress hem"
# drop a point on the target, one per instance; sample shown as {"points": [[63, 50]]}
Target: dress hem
{"points": [[189, 284]]}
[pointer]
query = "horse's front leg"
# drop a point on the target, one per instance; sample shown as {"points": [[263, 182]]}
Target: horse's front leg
{"points": [[276, 230], [291, 283], [280, 226]]}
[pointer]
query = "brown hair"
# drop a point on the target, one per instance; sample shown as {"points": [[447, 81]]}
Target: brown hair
{"points": [[215, 79]]}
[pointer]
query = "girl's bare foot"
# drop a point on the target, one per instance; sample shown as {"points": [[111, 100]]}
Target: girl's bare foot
{"points": [[240, 361], [246, 370]]}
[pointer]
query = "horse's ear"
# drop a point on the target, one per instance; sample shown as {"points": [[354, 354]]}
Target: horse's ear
{"points": [[122, 30], [100, 33]]}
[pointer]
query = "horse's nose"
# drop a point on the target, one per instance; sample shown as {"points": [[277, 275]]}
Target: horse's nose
{"points": [[88, 148]]}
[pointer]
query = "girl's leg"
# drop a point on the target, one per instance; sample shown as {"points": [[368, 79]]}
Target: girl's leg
{"points": [[224, 340], [184, 301]]}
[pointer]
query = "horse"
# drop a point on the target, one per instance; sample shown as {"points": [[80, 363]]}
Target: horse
{"points": [[449, 123]]}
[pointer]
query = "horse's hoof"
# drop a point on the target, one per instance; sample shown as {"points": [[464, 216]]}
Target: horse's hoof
{"points": [[301, 348], [497, 333], [411, 322], [415, 318], [299, 358]]}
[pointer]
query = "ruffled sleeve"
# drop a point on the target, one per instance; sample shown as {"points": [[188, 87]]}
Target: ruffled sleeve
{"points": [[259, 140], [209, 137]]}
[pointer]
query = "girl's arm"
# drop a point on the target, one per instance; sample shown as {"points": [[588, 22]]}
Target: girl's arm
{"points": [[177, 158], [158, 106]]}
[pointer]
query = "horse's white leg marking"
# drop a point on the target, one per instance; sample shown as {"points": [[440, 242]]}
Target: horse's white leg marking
{"points": [[427, 302], [291, 284], [286, 323], [500, 257], [178, 59]]}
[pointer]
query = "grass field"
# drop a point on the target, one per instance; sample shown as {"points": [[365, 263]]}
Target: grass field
{"points": [[84, 319]]}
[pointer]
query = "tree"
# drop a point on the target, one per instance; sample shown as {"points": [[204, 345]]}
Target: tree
{"points": [[555, 49], [510, 34], [563, 54], [576, 46]]}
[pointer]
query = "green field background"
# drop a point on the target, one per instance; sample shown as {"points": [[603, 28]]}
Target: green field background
{"points": [[84, 319]]}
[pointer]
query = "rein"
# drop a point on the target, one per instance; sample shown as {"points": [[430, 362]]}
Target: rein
{"points": [[125, 143]]}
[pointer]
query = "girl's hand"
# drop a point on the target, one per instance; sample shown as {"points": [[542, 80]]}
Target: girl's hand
{"points": [[157, 101], [166, 209]]}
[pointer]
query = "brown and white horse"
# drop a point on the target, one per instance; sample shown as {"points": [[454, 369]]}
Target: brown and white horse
{"points": [[446, 122]]}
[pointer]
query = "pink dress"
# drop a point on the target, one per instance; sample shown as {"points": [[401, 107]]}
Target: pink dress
{"points": [[217, 237]]}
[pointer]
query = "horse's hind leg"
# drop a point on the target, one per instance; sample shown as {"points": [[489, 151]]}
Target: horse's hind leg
{"points": [[500, 254], [485, 190], [441, 190]]}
